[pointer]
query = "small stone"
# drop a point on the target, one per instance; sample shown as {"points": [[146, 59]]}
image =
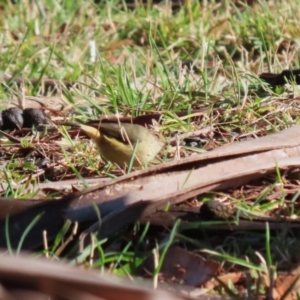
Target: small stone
{"points": [[43, 163], [215, 209]]}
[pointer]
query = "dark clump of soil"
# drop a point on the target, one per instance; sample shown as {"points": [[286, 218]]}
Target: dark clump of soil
{"points": [[33, 117], [12, 118], [16, 118]]}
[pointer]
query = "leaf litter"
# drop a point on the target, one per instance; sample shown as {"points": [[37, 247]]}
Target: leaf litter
{"points": [[227, 167]]}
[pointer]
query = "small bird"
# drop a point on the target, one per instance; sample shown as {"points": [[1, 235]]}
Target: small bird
{"points": [[116, 142]]}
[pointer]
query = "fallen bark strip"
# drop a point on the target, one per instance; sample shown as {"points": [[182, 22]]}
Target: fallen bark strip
{"points": [[194, 218], [30, 276], [56, 185]]}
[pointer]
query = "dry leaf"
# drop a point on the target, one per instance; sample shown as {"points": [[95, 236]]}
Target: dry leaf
{"points": [[183, 267], [232, 277]]}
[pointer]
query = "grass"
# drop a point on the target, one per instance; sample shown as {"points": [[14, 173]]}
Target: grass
{"points": [[140, 66]]}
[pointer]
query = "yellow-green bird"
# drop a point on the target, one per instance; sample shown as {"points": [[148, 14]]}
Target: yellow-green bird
{"points": [[116, 142]]}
